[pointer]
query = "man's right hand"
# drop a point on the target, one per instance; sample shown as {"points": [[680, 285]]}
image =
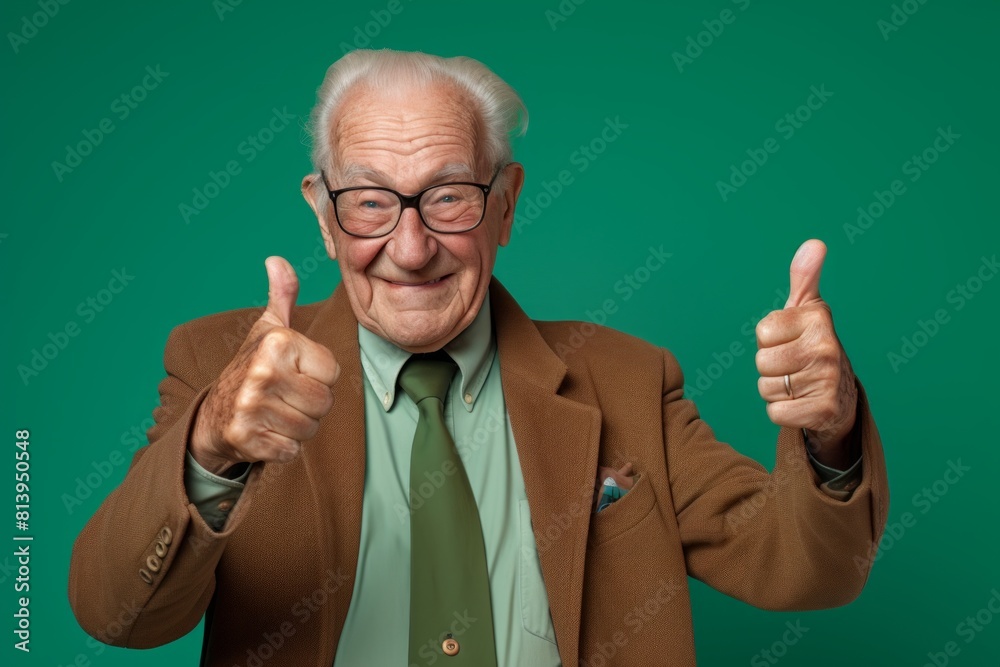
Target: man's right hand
{"points": [[272, 394]]}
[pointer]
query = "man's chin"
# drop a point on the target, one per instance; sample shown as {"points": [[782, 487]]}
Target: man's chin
{"points": [[420, 337]]}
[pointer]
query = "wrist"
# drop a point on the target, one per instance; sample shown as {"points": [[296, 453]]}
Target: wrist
{"points": [[837, 451], [200, 447], [830, 454]]}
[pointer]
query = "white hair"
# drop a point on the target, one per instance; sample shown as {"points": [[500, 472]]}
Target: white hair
{"points": [[500, 109]]}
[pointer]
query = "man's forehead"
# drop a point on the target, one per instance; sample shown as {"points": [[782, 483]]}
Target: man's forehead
{"points": [[390, 107], [433, 119]]}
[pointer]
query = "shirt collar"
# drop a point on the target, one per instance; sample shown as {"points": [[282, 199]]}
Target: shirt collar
{"points": [[472, 350]]}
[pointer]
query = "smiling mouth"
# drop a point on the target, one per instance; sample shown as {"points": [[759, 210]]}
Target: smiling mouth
{"points": [[426, 283]]}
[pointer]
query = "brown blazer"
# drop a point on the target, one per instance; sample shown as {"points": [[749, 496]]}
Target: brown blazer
{"points": [[276, 583]]}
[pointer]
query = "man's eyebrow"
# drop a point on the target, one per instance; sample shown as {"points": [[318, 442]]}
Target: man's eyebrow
{"points": [[352, 173], [453, 170]]}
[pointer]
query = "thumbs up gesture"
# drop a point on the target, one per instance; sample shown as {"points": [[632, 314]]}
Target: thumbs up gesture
{"points": [[805, 375], [273, 393]]}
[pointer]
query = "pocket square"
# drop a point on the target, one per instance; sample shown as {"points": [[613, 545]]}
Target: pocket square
{"points": [[611, 485]]}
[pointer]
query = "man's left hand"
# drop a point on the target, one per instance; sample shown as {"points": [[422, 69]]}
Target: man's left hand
{"points": [[800, 342]]}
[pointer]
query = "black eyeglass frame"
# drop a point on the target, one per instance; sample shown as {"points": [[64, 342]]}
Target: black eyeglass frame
{"points": [[408, 201]]}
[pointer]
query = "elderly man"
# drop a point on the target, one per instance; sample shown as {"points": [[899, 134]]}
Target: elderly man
{"points": [[409, 473]]}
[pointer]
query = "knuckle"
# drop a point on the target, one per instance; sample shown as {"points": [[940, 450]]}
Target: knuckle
{"points": [[826, 376], [245, 402], [824, 370], [327, 403], [263, 369], [327, 355], [763, 328], [274, 449], [276, 341], [828, 415], [288, 451], [328, 361], [310, 429], [234, 433], [831, 374], [822, 355], [818, 316]]}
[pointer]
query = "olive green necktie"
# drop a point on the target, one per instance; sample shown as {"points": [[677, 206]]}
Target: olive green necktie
{"points": [[451, 622]]}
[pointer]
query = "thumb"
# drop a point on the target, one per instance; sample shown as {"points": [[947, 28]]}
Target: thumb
{"points": [[806, 267], [282, 289]]}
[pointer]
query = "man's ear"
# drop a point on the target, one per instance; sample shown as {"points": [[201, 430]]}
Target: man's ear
{"points": [[314, 192], [514, 176]]}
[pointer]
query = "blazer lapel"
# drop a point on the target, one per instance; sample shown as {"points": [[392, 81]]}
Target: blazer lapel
{"points": [[335, 464], [557, 443]]}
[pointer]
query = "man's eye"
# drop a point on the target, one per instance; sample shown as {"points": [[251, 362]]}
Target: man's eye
{"points": [[370, 204], [447, 197]]}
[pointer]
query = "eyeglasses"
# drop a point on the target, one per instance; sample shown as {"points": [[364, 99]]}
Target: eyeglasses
{"points": [[370, 212]]}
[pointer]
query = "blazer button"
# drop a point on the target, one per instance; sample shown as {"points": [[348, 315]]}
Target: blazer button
{"points": [[160, 548], [166, 535], [153, 563], [146, 576], [450, 646]]}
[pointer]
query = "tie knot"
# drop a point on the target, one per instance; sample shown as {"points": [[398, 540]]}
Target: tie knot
{"points": [[424, 376]]}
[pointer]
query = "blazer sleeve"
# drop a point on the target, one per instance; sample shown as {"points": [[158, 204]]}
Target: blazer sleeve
{"points": [[773, 540], [142, 571]]}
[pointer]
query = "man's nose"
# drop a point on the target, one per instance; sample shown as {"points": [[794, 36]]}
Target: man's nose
{"points": [[411, 245]]}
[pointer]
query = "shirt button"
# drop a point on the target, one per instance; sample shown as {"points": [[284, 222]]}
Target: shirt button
{"points": [[468, 398], [225, 505], [450, 646], [386, 399]]}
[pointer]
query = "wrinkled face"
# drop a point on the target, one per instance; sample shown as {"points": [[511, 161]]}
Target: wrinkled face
{"points": [[414, 287]]}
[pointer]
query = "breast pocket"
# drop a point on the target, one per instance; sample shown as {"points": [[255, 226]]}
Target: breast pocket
{"points": [[535, 615], [624, 514]]}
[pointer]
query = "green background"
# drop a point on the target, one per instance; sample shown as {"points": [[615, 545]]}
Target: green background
{"points": [[656, 184]]}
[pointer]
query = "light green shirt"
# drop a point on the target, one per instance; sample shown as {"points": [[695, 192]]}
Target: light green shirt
{"points": [[376, 631]]}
